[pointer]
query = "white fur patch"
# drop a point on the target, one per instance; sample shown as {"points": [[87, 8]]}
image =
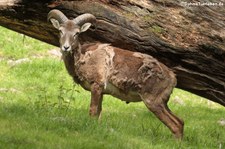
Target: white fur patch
{"points": [[141, 55], [108, 63]]}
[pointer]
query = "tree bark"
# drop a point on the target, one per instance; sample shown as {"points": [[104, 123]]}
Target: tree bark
{"points": [[187, 37]]}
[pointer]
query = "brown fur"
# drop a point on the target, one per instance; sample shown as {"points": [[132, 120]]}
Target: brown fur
{"points": [[129, 76]]}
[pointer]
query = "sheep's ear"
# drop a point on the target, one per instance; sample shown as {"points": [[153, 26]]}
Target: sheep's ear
{"points": [[55, 23], [85, 27]]}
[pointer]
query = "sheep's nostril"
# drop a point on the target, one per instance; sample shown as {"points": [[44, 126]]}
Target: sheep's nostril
{"points": [[66, 48]]}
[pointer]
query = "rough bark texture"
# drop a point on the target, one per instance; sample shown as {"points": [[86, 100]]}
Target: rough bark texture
{"points": [[187, 37]]}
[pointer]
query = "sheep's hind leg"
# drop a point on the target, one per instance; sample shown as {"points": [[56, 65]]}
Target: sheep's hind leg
{"points": [[161, 110]]}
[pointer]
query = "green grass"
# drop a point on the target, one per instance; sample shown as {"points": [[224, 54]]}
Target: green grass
{"points": [[41, 108]]}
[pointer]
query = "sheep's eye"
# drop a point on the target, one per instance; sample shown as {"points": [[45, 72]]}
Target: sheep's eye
{"points": [[76, 34], [61, 32]]}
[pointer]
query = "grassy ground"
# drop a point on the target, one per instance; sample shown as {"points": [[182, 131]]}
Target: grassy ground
{"points": [[41, 108]]}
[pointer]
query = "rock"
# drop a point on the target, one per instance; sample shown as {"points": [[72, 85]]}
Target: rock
{"points": [[55, 53], [1, 58], [17, 62], [178, 100], [3, 90], [221, 122], [12, 90]]}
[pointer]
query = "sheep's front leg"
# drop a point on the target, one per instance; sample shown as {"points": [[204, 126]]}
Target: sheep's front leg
{"points": [[96, 100]]}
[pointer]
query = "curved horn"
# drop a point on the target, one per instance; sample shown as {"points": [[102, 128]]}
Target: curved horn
{"points": [[84, 18], [58, 15]]}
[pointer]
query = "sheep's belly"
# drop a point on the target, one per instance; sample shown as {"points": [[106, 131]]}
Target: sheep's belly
{"points": [[129, 96], [110, 89]]}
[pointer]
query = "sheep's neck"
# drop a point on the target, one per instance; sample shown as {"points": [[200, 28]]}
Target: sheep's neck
{"points": [[70, 60]]}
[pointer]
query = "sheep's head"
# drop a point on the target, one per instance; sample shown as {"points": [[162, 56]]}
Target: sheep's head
{"points": [[70, 29]]}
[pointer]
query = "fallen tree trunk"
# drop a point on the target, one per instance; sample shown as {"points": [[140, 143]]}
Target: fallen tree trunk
{"points": [[187, 37]]}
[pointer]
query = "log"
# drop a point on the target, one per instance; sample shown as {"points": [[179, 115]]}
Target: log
{"points": [[187, 37]]}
